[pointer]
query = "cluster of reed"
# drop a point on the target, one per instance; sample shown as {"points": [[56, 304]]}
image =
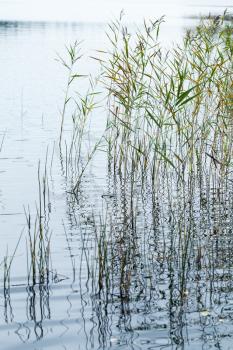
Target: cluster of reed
{"points": [[170, 108], [164, 108], [168, 141], [39, 270], [38, 242]]}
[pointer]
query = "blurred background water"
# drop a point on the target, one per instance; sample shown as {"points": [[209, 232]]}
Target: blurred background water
{"points": [[32, 34], [100, 11]]}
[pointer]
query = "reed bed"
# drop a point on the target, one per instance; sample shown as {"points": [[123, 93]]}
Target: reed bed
{"points": [[174, 108], [156, 260], [38, 237], [39, 269], [164, 108], [161, 244], [156, 246]]}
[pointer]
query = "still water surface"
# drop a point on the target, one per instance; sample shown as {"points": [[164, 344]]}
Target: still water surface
{"points": [[65, 315]]}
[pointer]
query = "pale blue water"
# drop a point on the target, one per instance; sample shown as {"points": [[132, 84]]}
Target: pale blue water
{"points": [[31, 95], [100, 11]]}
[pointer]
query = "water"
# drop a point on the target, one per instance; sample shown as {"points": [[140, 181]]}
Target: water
{"points": [[92, 11], [67, 314]]}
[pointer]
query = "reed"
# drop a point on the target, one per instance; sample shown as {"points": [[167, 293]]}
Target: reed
{"points": [[39, 269], [168, 146], [2, 141], [73, 53], [164, 108], [161, 244], [7, 264], [38, 238]]}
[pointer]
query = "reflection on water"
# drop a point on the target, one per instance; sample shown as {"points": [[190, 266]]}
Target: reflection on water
{"points": [[153, 269], [137, 268]]}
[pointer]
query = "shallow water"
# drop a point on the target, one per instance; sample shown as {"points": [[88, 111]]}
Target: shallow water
{"points": [[67, 313]]}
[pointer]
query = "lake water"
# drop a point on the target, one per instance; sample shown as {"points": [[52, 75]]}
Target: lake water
{"points": [[66, 315]]}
